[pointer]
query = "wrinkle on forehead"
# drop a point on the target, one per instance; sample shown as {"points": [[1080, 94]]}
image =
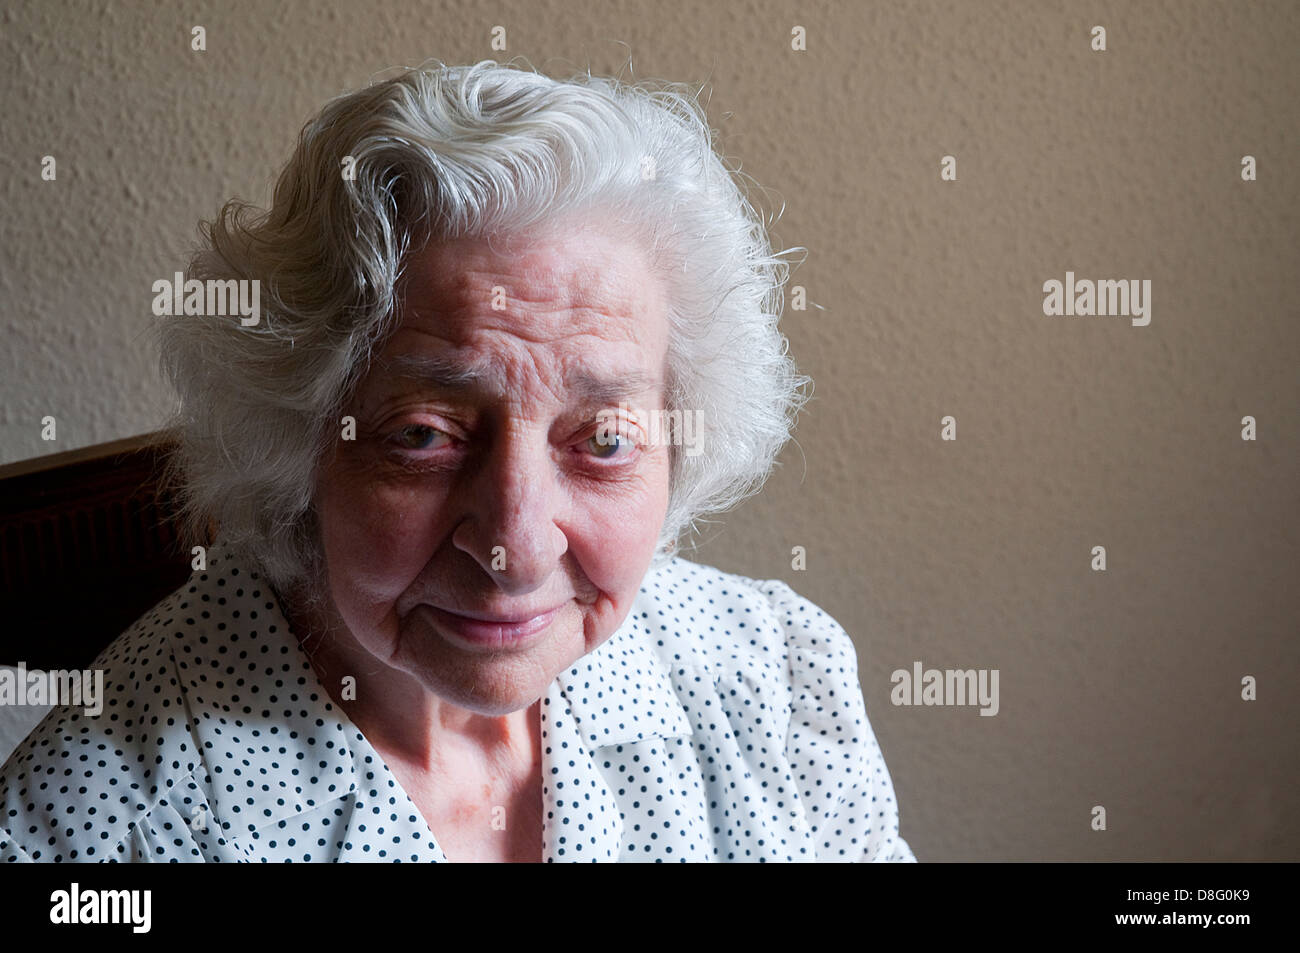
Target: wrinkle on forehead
{"points": [[551, 272], [572, 304]]}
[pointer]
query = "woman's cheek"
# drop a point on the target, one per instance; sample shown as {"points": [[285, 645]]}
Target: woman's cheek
{"points": [[619, 536], [377, 537]]}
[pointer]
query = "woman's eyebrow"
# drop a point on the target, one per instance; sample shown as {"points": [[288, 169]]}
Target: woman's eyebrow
{"points": [[608, 390], [445, 373]]}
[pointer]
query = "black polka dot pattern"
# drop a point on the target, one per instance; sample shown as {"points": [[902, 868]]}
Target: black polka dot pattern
{"points": [[723, 721]]}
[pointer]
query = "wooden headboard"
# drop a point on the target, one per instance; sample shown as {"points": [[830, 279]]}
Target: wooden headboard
{"points": [[88, 543]]}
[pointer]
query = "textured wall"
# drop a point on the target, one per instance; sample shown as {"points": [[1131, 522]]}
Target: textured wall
{"points": [[1118, 688]]}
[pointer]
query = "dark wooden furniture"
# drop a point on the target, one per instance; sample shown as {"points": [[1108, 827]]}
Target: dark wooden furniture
{"points": [[88, 543]]}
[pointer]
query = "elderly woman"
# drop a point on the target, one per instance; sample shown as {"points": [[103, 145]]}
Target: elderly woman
{"points": [[516, 335]]}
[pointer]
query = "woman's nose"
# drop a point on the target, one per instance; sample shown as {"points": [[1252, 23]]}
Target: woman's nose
{"points": [[513, 499]]}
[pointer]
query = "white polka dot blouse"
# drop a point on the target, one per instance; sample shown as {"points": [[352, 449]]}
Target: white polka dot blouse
{"points": [[723, 721]]}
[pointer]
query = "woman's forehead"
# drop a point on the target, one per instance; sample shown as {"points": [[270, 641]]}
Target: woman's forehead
{"points": [[543, 271], [577, 297], [560, 315]]}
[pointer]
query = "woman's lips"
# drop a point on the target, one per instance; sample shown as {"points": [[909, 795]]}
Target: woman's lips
{"points": [[490, 633]]}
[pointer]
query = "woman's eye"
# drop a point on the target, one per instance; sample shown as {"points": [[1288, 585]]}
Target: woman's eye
{"points": [[607, 446], [416, 437]]}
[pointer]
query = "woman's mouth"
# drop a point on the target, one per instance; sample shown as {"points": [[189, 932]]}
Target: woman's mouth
{"points": [[489, 631]]}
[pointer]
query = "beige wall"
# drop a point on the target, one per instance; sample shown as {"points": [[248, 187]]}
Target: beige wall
{"points": [[1118, 688]]}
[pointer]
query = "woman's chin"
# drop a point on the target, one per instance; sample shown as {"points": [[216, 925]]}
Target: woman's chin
{"points": [[508, 673], [490, 697]]}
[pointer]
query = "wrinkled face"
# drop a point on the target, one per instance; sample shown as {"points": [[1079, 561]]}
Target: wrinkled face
{"points": [[485, 528]]}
